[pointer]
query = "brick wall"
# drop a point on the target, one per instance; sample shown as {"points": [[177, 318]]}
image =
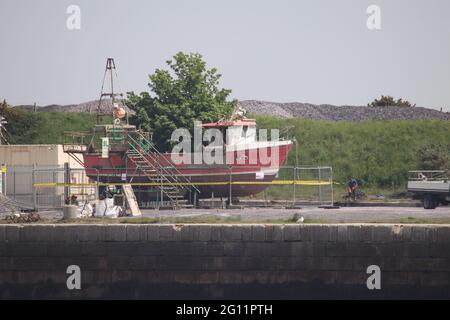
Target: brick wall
{"points": [[224, 261]]}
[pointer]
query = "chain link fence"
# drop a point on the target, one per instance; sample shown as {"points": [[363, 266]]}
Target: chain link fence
{"points": [[46, 188], [306, 185]]}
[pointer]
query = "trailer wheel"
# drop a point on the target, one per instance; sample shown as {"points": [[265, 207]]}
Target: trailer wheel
{"points": [[429, 202]]}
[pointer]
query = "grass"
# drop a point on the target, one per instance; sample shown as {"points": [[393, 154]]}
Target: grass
{"points": [[412, 220], [205, 219], [27, 127], [378, 153], [305, 193]]}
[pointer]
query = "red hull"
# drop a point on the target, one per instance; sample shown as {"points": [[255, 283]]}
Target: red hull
{"points": [[117, 169]]}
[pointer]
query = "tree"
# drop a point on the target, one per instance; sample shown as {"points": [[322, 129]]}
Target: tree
{"points": [[434, 157], [187, 92], [6, 111], [24, 126], [388, 101]]}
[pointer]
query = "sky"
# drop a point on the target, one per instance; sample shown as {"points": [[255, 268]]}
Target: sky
{"points": [[316, 51]]}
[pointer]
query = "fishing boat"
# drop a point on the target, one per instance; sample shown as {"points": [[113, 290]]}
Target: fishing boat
{"points": [[120, 153]]}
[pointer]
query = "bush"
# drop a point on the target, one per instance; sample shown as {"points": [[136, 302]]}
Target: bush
{"points": [[388, 101], [434, 157]]}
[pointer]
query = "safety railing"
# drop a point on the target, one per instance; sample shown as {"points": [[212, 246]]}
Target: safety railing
{"points": [[162, 165], [427, 175]]}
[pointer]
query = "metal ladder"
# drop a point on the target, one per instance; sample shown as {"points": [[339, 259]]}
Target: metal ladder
{"points": [[171, 183]]}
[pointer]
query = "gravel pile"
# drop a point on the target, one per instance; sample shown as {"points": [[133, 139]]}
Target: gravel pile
{"points": [[90, 106], [287, 110], [339, 113]]}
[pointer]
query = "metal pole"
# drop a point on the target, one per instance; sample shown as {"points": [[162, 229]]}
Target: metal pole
{"points": [[195, 200], [295, 180], [320, 187], [69, 177], [66, 183], [162, 195], [97, 191], [112, 80], [332, 191], [229, 200], [157, 198], [265, 198], [33, 182], [55, 196], [4, 180]]}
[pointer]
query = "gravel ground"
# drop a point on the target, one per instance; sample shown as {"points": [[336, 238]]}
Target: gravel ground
{"points": [[354, 214], [311, 214]]}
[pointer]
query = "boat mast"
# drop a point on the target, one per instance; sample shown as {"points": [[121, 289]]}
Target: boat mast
{"points": [[110, 71]]}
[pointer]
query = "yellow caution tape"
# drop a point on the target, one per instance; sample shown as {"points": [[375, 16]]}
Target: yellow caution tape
{"points": [[276, 182]]}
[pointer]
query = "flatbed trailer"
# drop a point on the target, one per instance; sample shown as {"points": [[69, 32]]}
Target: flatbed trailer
{"points": [[431, 187]]}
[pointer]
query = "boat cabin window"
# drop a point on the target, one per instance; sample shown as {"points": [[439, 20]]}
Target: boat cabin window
{"points": [[239, 134], [244, 131]]}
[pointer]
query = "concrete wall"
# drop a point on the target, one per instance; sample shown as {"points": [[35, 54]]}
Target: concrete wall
{"points": [[224, 261], [35, 154]]}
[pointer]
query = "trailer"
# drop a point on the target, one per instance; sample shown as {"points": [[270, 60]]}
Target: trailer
{"points": [[431, 187]]}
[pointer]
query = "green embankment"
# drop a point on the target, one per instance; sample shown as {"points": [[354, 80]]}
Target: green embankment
{"points": [[378, 153], [46, 127]]}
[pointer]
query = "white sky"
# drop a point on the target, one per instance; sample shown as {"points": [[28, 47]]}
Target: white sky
{"points": [[317, 51]]}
